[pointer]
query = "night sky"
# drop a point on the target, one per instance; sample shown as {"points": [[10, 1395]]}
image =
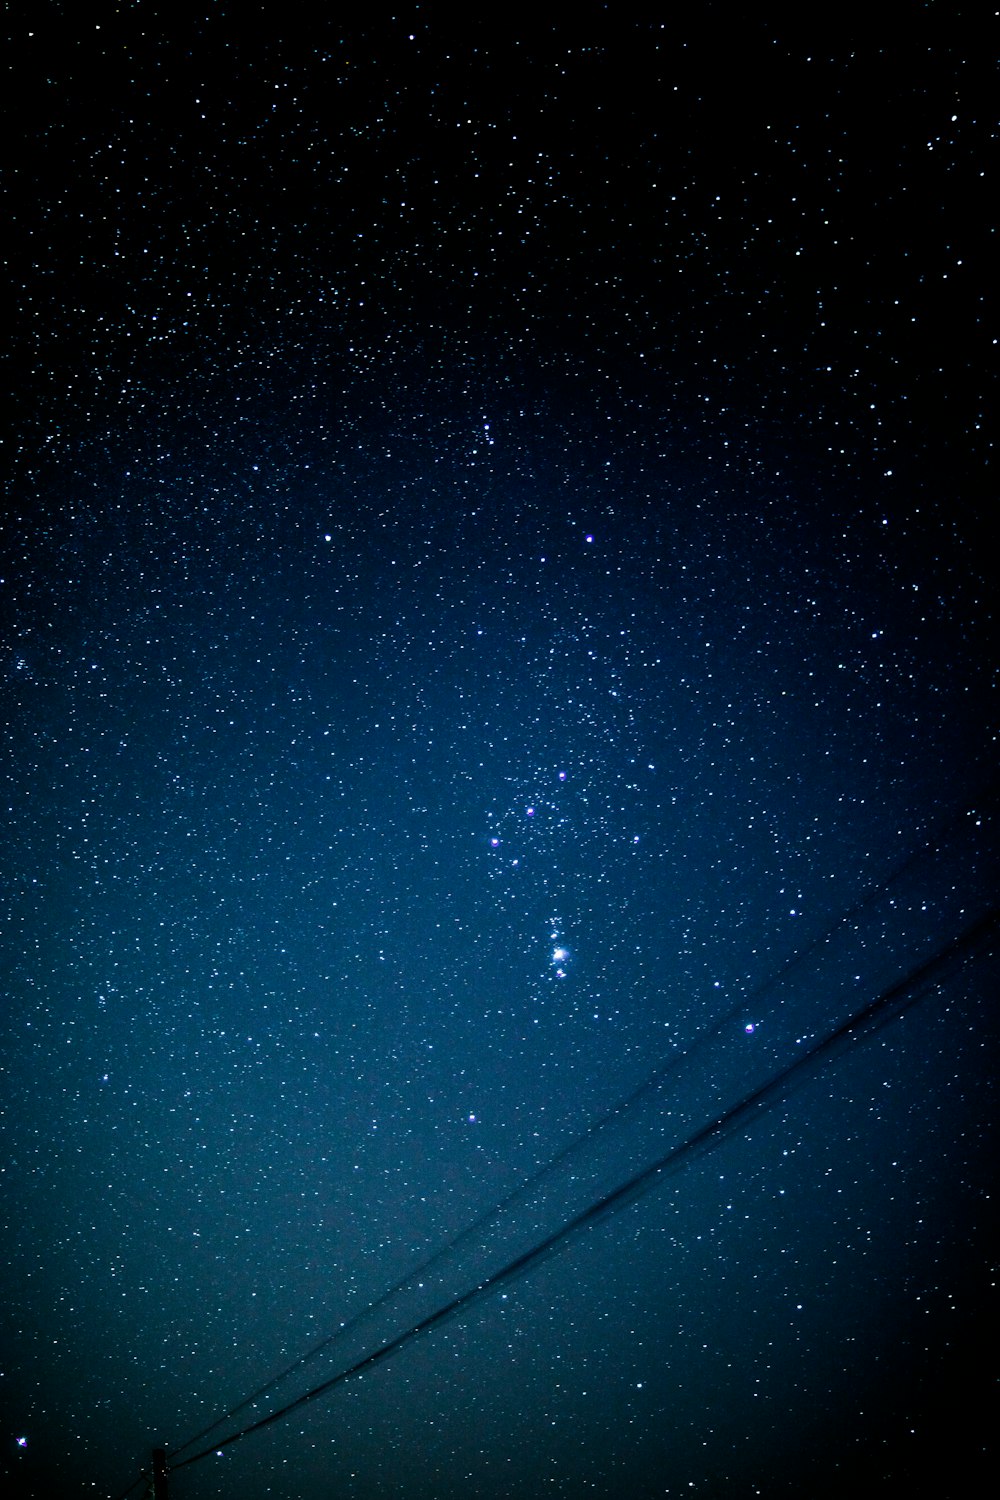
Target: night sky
{"points": [[496, 620]]}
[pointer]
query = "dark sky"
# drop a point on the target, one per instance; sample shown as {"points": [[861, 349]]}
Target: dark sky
{"points": [[494, 570]]}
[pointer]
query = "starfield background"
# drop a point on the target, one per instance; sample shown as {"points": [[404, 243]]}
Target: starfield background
{"points": [[497, 619]]}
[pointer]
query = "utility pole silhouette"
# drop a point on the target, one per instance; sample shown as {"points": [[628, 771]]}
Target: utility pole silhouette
{"points": [[160, 1473]]}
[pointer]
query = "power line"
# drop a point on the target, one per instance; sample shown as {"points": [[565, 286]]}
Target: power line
{"points": [[653, 1081], [887, 1006]]}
